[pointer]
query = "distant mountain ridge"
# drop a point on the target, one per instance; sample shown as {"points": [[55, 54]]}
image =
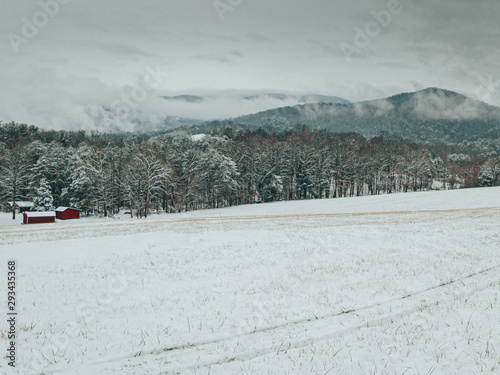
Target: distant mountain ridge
{"points": [[430, 115], [299, 98], [185, 98]]}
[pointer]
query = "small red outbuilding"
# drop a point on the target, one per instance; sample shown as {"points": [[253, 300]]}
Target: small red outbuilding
{"points": [[39, 217], [66, 213]]}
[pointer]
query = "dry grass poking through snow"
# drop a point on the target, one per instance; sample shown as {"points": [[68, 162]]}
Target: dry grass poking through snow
{"points": [[383, 290]]}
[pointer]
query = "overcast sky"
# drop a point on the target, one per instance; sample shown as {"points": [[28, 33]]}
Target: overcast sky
{"points": [[88, 55]]}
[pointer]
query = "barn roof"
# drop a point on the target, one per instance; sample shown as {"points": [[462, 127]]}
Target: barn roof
{"points": [[22, 204], [40, 214], [62, 209]]}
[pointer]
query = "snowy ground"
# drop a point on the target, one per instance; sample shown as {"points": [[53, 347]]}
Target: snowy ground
{"points": [[396, 284]]}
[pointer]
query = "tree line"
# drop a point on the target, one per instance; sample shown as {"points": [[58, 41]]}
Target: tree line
{"points": [[101, 174]]}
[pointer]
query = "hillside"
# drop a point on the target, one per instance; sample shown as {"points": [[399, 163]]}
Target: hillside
{"points": [[427, 116], [275, 286]]}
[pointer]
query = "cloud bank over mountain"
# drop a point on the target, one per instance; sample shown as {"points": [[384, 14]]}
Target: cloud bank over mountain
{"points": [[64, 63]]}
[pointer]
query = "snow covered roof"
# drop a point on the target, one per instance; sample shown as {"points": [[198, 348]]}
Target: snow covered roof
{"points": [[40, 214], [22, 204], [62, 209], [197, 137]]}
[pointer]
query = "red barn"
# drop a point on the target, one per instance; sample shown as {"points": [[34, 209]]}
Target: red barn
{"points": [[21, 206], [66, 213], [39, 217]]}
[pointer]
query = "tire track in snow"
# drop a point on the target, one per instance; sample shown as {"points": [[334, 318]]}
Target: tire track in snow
{"points": [[319, 335], [321, 317], [345, 323]]}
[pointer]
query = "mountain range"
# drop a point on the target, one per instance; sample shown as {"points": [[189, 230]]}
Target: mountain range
{"points": [[249, 97], [427, 116]]}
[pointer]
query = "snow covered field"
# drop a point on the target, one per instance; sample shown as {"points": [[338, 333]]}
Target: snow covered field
{"points": [[395, 284]]}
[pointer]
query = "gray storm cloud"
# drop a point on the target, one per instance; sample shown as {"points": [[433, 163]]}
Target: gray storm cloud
{"points": [[64, 63], [437, 105]]}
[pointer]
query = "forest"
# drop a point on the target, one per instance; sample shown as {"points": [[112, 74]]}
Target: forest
{"points": [[102, 174]]}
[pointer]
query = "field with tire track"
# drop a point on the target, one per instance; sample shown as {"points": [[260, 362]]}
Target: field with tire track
{"points": [[395, 284]]}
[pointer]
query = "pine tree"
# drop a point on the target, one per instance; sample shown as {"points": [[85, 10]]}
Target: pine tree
{"points": [[44, 200], [79, 191], [489, 174]]}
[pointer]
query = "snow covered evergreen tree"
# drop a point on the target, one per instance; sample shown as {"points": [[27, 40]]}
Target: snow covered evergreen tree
{"points": [[52, 165], [44, 200], [104, 172], [489, 174], [78, 192]]}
